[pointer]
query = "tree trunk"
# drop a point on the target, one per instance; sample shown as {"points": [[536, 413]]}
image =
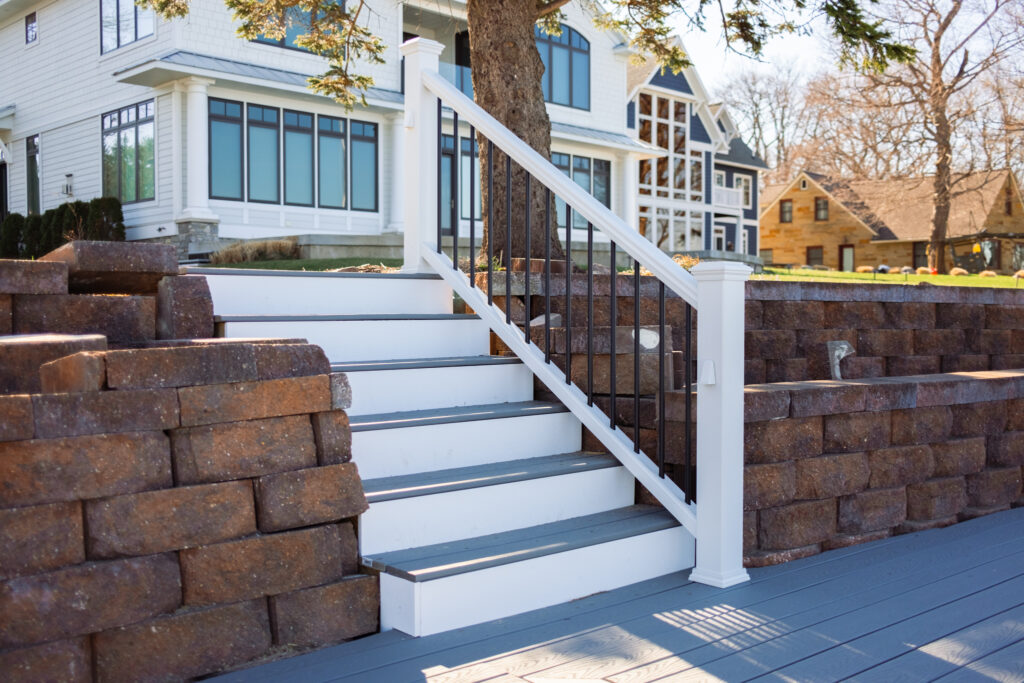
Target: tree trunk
{"points": [[942, 194], [507, 72]]}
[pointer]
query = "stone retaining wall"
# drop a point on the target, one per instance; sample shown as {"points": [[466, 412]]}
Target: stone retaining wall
{"points": [[831, 464]]}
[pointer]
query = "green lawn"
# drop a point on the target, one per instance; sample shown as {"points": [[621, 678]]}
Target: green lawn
{"points": [[314, 264], [795, 275]]}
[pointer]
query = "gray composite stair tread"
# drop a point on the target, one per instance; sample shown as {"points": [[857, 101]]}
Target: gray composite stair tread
{"points": [[479, 476], [204, 270], [420, 363], [358, 317], [441, 560], [435, 416]]}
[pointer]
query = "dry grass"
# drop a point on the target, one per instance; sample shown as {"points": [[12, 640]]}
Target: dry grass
{"points": [[988, 273], [865, 269], [261, 250], [958, 272], [923, 270], [1019, 274]]}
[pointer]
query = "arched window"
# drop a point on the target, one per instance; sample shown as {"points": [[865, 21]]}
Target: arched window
{"points": [[566, 60]]}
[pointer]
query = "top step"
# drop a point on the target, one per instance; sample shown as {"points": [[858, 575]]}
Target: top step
{"points": [[238, 291]]}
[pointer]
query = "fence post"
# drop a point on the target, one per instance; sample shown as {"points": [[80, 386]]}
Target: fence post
{"points": [[420, 139], [720, 340]]}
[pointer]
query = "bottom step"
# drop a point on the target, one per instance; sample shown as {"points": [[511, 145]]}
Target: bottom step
{"points": [[451, 585]]}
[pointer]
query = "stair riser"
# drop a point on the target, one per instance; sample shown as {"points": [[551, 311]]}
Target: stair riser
{"points": [[425, 520], [421, 609], [392, 452], [365, 340], [281, 295], [383, 391]]}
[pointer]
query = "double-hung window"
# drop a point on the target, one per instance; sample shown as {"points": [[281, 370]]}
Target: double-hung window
{"points": [[298, 158], [123, 22], [262, 145], [363, 139], [225, 149], [745, 186], [786, 211], [129, 159], [566, 58], [332, 159], [821, 208], [31, 29], [593, 175]]}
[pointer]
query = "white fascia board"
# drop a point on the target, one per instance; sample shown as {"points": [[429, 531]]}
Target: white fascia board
{"points": [[748, 167]]}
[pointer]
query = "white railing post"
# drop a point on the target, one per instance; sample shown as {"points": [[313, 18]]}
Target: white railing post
{"points": [[420, 171], [720, 340]]}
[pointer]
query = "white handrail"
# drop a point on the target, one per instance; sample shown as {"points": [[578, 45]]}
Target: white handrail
{"points": [[641, 249]]}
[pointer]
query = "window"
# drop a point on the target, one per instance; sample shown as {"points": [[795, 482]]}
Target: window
{"points": [[786, 211], [566, 60], [920, 254], [331, 152], [1008, 207], [298, 158], [744, 240], [744, 184], [364, 165], [719, 178], [803, 184], [32, 174], [129, 166], [815, 256], [463, 72], [296, 21], [593, 175], [820, 209], [679, 174], [31, 29], [263, 156], [718, 238], [467, 176], [122, 22], [225, 149]]}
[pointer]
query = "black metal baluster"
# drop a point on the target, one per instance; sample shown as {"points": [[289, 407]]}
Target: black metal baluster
{"points": [[472, 208], [490, 223], [508, 240], [568, 294], [661, 379], [526, 274], [636, 356], [590, 314], [688, 388], [440, 154], [615, 329], [547, 275], [456, 188]]}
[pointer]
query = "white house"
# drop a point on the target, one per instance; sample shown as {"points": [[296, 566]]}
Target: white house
{"points": [[203, 134]]}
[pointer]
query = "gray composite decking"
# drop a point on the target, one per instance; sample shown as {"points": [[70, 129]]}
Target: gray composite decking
{"points": [[945, 604]]}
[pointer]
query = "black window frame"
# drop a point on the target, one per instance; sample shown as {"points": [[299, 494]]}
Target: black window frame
{"points": [[32, 160], [919, 254], [820, 260], [785, 210], [547, 43], [276, 127], [285, 127], [117, 23], [820, 209], [343, 136], [375, 138], [139, 119], [31, 28], [242, 142]]}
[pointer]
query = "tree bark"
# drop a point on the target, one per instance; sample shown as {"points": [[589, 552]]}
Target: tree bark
{"points": [[941, 188], [507, 72]]}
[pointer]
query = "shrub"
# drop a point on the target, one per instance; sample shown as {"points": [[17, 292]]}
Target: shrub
{"points": [[104, 220], [261, 250], [31, 236], [988, 273], [924, 270], [956, 272], [75, 221], [10, 235]]}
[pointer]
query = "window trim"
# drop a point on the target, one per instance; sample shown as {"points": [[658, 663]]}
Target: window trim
{"points": [[210, 118], [785, 203], [820, 202], [117, 129], [248, 157], [542, 38], [284, 156]]}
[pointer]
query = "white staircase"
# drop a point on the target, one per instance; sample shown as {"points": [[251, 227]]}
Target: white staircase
{"points": [[482, 504]]}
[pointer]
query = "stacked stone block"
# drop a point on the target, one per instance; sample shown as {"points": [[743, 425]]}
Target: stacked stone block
{"points": [[168, 512]]}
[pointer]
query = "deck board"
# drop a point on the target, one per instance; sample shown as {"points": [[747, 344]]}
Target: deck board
{"points": [[948, 602]]}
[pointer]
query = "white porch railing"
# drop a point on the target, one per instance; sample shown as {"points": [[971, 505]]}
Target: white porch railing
{"points": [[716, 290], [728, 197]]}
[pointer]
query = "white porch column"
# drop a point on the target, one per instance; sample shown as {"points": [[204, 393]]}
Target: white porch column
{"points": [[420, 170], [396, 138], [720, 300], [628, 182], [197, 171]]}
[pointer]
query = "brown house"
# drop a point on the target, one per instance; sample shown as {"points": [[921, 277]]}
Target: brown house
{"points": [[843, 224]]}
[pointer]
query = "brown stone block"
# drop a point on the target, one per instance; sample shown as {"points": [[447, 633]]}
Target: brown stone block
{"points": [[872, 510], [306, 497], [749, 531], [901, 366], [909, 316], [1017, 344], [862, 367], [237, 450], [328, 614], [341, 391], [83, 371], [184, 308], [846, 540], [333, 437], [762, 403], [970, 513], [884, 342], [181, 366], [782, 440], [1015, 414], [994, 487], [956, 457], [6, 314], [831, 475], [770, 558], [40, 538], [964, 316], [104, 412], [264, 565], [157, 521], [797, 525], [580, 340], [208, 404], [22, 356], [965, 363], [851, 432], [786, 370], [675, 408], [767, 344], [33, 277], [900, 466], [936, 499], [16, 422], [754, 371], [184, 645], [812, 343], [977, 419], [1006, 450], [276, 361], [938, 342], [87, 598], [861, 315], [921, 425], [753, 314], [989, 342], [826, 397], [889, 394], [624, 369], [910, 527], [118, 318], [115, 267], [793, 315], [67, 661], [1004, 317], [1013, 361], [79, 467], [767, 486]]}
